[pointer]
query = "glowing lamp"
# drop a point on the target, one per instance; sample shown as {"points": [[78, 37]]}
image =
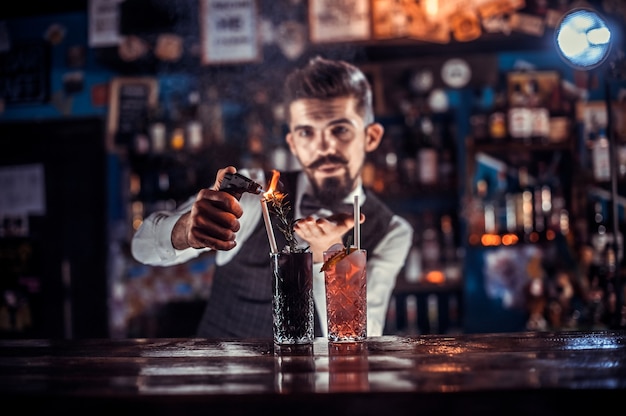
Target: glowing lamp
{"points": [[583, 38]]}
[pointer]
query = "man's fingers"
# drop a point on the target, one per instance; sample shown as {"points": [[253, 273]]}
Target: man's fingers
{"points": [[344, 217], [212, 243], [219, 177], [208, 199]]}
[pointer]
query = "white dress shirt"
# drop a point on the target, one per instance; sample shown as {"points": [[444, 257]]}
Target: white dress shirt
{"points": [[152, 245]]}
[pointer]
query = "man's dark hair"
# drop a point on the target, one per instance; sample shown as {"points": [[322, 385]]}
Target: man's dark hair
{"points": [[324, 79]]}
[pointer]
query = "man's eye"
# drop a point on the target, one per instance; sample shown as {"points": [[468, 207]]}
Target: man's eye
{"points": [[341, 132], [305, 133]]}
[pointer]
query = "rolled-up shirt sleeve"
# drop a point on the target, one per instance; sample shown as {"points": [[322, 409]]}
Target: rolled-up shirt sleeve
{"points": [[152, 243]]}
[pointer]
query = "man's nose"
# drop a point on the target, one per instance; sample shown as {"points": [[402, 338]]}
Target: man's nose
{"points": [[327, 140]]}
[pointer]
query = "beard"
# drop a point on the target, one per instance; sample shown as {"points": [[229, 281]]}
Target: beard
{"points": [[332, 191]]}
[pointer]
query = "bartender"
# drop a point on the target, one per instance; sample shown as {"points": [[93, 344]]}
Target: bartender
{"points": [[329, 111]]}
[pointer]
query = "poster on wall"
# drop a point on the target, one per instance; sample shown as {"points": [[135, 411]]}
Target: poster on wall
{"points": [[229, 31], [103, 23], [339, 20], [130, 99], [25, 73]]}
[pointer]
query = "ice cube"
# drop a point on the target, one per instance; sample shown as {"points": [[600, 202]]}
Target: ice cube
{"points": [[357, 259], [335, 247]]}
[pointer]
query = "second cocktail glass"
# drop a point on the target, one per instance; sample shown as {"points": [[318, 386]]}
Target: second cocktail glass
{"points": [[346, 294]]}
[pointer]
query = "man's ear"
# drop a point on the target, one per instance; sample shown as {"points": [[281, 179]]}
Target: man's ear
{"points": [[289, 140], [373, 136]]}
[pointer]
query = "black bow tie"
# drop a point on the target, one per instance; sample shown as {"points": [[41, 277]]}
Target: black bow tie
{"points": [[309, 205]]}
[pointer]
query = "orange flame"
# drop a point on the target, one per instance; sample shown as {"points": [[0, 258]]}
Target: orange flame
{"points": [[273, 184]]}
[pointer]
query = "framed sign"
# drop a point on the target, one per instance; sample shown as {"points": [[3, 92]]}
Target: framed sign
{"points": [[25, 74], [129, 101], [339, 20], [229, 31]]}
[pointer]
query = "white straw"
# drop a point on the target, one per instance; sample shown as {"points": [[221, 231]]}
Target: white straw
{"points": [[357, 225], [268, 226]]}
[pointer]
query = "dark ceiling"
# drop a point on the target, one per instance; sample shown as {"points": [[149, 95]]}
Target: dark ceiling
{"points": [[26, 8]]}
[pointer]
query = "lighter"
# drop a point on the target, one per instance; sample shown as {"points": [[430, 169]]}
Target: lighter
{"points": [[236, 184]]}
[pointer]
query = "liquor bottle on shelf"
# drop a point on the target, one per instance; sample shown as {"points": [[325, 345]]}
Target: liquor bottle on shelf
{"points": [[540, 115], [509, 199], [519, 116], [210, 114], [157, 130], [598, 234], [512, 206], [542, 205], [559, 217], [612, 315], [479, 118], [427, 154], [499, 196], [476, 213], [140, 146], [489, 210], [194, 137], [527, 207], [447, 168], [176, 126], [408, 135], [431, 250], [561, 115], [497, 127], [413, 272], [601, 158], [450, 259]]}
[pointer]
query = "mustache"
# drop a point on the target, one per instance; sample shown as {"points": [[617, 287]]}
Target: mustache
{"points": [[327, 159]]}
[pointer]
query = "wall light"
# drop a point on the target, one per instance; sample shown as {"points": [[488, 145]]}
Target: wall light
{"points": [[583, 38]]}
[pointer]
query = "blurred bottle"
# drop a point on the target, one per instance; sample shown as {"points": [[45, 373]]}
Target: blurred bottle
{"points": [[598, 235], [450, 259], [540, 115], [157, 130], [476, 212], [513, 211], [519, 116], [431, 249], [427, 154], [176, 125], [194, 137], [497, 119], [479, 118], [542, 205], [601, 158], [527, 206], [447, 169], [413, 272]]}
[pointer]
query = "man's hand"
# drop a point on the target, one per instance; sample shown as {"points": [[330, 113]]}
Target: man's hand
{"points": [[324, 232], [212, 221]]}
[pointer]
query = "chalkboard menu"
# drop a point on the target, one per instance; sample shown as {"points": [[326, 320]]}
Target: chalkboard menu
{"points": [[130, 100], [24, 73]]}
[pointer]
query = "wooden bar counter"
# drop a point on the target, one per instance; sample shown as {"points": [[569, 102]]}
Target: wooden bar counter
{"points": [[509, 373]]}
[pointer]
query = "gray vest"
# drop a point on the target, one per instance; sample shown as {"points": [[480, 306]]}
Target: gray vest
{"points": [[240, 302]]}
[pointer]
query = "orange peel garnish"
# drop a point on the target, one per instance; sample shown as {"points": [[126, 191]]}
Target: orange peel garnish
{"points": [[336, 258]]}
